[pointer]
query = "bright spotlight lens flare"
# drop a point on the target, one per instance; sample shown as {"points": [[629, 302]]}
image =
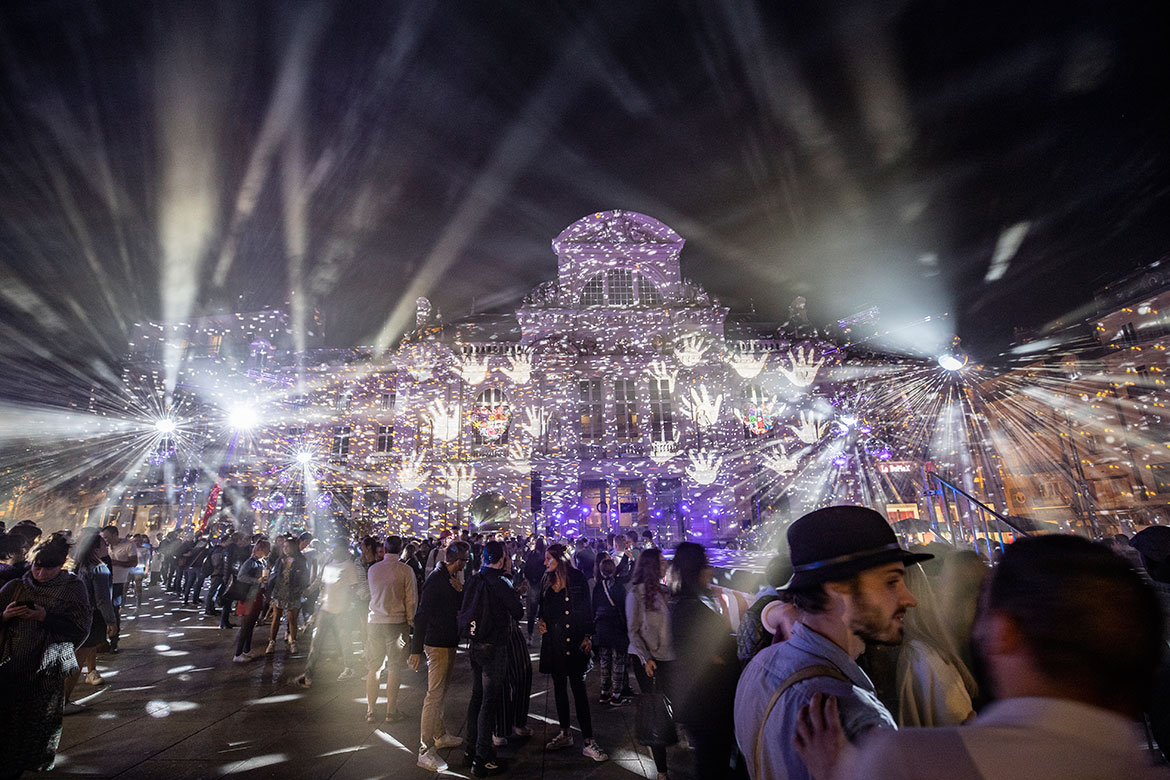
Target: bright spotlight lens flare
{"points": [[242, 418], [165, 425], [304, 457], [950, 362]]}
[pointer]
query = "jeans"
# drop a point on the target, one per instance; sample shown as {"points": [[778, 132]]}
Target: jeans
{"points": [[244, 638], [660, 683], [577, 682], [194, 585], [329, 626], [117, 591], [440, 662], [614, 677], [487, 686], [215, 584]]}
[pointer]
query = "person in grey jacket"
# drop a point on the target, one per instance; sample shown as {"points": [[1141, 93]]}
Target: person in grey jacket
{"points": [[94, 573], [648, 626]]}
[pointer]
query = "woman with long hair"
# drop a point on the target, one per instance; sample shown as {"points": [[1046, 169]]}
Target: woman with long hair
{"points": [[93, 572], [648, 624], [565, 622], [45, 614], [287, 584], [705, 694]]}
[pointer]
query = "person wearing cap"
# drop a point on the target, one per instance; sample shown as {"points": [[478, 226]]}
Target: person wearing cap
{"points": [[848, 590]]}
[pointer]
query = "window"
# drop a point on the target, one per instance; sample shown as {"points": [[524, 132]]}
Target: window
{"points": [[592, 406], [661, 411], [386, 400], [424, 436], [341, 401], [1161, 477], [376, 500], [490, 416], [626, 409], [621, 286], [340, 449], [593, 293], [295, 434], [594, 506], [385, 438], [214, 343], [648, 294]]}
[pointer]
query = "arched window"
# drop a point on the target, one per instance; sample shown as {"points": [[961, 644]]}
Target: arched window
{"points": [[490, 416], [620, 287]]}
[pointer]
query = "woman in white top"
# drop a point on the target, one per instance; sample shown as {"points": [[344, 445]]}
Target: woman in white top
{"points": [[648, 623]]}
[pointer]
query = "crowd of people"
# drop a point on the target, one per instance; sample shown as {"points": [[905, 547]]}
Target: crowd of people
{"points": [[856, 658]]}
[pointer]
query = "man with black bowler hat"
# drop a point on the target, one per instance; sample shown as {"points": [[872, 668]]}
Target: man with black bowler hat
{"points": [[848, 590]]}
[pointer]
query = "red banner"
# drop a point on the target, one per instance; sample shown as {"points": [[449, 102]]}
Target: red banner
{"points": [[211, 502]]}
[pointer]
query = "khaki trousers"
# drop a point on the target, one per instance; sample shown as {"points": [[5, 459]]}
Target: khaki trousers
{"points": [[440, 662]]}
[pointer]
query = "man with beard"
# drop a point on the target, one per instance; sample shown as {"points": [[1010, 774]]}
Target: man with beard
{"points": [[847, 588]]}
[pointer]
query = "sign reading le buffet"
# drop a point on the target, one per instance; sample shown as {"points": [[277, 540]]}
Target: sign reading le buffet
{"points": [[902, 467]]}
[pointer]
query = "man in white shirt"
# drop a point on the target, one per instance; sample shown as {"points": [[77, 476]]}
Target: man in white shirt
{"points": [[1071, 637], [339, 579], [123, 558], [393, 599]]}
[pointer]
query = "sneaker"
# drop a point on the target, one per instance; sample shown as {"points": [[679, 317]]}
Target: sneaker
{"points": [[448, 741], [93, 678], [521, 731], [593, 751], [304, 681], [499, 741], [563, 739], [271, 648], [618, 701], [346, 674], [492, 766], [72, 708], [604, 700], [242, 658], [431, 760], [292, 646]]}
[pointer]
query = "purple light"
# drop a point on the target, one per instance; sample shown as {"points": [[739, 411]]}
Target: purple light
{"points": [[840, 460]]}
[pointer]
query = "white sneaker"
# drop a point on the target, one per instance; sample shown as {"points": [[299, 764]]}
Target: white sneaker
{"points": [[346, 674], [431, 760], [271, 648], [242, 658], [93, 678], [292, 646], [563, 739], [593, 751], [448, 741], [72, 708]]}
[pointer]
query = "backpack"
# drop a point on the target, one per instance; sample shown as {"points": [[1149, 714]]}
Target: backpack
{"points": [[208, 565], [750, 636], [475, 618]]}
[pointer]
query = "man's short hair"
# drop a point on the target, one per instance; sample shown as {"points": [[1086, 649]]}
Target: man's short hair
{"points": [[111, 528], [457, 551], [813, 599], [393, 545], [1087, 618], [305, 537]]}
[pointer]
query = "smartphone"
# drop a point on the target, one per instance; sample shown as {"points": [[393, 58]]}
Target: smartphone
{"points": [[29, 604]]}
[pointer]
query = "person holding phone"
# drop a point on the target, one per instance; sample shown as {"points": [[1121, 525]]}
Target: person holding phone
{"points": [[43, 615]]}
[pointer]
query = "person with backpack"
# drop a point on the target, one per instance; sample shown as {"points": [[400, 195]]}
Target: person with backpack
{"points": [[436, 635], [490, 606], [609, 618], [566, 644], [752, 635]]}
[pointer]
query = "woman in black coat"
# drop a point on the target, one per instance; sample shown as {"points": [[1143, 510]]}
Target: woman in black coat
{"points": [[708, 669], [565, 623]]}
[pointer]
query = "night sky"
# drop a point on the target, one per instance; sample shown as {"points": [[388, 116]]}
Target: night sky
{"points": [[857, 154]]}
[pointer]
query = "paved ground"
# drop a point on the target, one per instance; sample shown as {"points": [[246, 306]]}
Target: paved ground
{"points": [[175, 706]]}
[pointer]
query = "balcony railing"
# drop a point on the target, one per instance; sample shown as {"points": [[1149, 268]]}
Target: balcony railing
{"points": [[968, 520]]}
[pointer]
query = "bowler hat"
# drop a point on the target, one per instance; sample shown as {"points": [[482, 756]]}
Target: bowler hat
{"points": [[1153, 543], [836, 542]]}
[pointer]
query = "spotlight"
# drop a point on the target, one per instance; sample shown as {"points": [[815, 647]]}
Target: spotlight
{"points": [[165, 425], [951, 362], [242, 418], [304, 457]]}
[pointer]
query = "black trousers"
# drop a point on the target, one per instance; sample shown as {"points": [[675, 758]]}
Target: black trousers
{"points": [[488, 664], [244, 638], [561, 683], [659, 683]]}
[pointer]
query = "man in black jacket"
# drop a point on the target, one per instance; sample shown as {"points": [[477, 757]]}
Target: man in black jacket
{"points": [[499, 608], [436, 633]]}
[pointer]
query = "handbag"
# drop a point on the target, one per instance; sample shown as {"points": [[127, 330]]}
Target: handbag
{"points": [[237, 591], [654, 720]]}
